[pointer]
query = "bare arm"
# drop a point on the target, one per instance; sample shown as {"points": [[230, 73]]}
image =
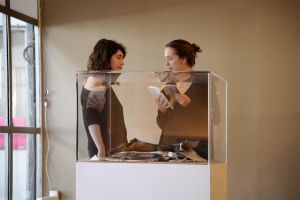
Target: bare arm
{"points": [[162, 104], [183, 99], [95, 132]]}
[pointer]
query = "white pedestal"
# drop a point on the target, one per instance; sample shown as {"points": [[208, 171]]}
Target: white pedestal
{"points": [[149, 181]]}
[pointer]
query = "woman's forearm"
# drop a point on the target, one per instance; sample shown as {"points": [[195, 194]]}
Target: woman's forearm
{"points": [[95, 132]]}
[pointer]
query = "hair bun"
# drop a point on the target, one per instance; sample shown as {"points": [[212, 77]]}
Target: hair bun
{"points": [[196, 47]]}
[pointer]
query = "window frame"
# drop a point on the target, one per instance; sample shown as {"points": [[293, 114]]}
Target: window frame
{"points": [[8, 13], [12, 13]]}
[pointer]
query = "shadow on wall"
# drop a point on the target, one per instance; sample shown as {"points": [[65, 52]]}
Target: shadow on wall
{"points": [[68, 11]]}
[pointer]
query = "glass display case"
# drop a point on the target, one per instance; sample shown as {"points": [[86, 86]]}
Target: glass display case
{"points": [[155, 131], [162, 116]]}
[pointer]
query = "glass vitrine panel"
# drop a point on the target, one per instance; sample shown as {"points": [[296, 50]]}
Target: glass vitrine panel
{"points": [[218, 119], [172, 111]]}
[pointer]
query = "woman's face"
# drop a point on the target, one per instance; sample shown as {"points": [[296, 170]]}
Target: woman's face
{"points": [[174, 62], [116, 61]]}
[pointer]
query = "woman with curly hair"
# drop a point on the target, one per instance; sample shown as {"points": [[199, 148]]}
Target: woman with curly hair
{"points": [[99, 112]]}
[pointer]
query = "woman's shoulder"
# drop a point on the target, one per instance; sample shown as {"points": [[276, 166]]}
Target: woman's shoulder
{"points": [[93, 82]]}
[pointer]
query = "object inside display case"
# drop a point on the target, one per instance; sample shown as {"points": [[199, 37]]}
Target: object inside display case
{"points": [[147, 116]]}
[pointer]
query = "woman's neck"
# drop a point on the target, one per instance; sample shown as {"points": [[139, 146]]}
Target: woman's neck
{"points": [[184, 73]]}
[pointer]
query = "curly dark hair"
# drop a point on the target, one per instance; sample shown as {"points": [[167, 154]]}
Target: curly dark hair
{"points": [[184, 49], [102, 53]]}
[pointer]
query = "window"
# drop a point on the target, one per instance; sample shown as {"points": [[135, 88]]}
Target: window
{"points": [[20, 145]]}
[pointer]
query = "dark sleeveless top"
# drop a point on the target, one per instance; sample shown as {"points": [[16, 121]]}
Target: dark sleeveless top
{"points": [[110, 119], [187, 123]]}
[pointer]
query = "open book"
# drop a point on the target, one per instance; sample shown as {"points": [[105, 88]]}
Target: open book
{"points": [[167, 92]]}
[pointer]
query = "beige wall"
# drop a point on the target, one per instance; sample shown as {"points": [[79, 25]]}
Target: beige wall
{"points": [[254, 45]]}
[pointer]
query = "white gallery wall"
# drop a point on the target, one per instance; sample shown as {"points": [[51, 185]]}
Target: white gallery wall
{"points": [[255, 45]]}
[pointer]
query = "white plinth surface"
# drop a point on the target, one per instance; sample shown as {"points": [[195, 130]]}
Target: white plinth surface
{"points": [[136, 181]]}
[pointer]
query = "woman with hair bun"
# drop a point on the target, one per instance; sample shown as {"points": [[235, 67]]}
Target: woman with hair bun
{"points": [[187, 118]]}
